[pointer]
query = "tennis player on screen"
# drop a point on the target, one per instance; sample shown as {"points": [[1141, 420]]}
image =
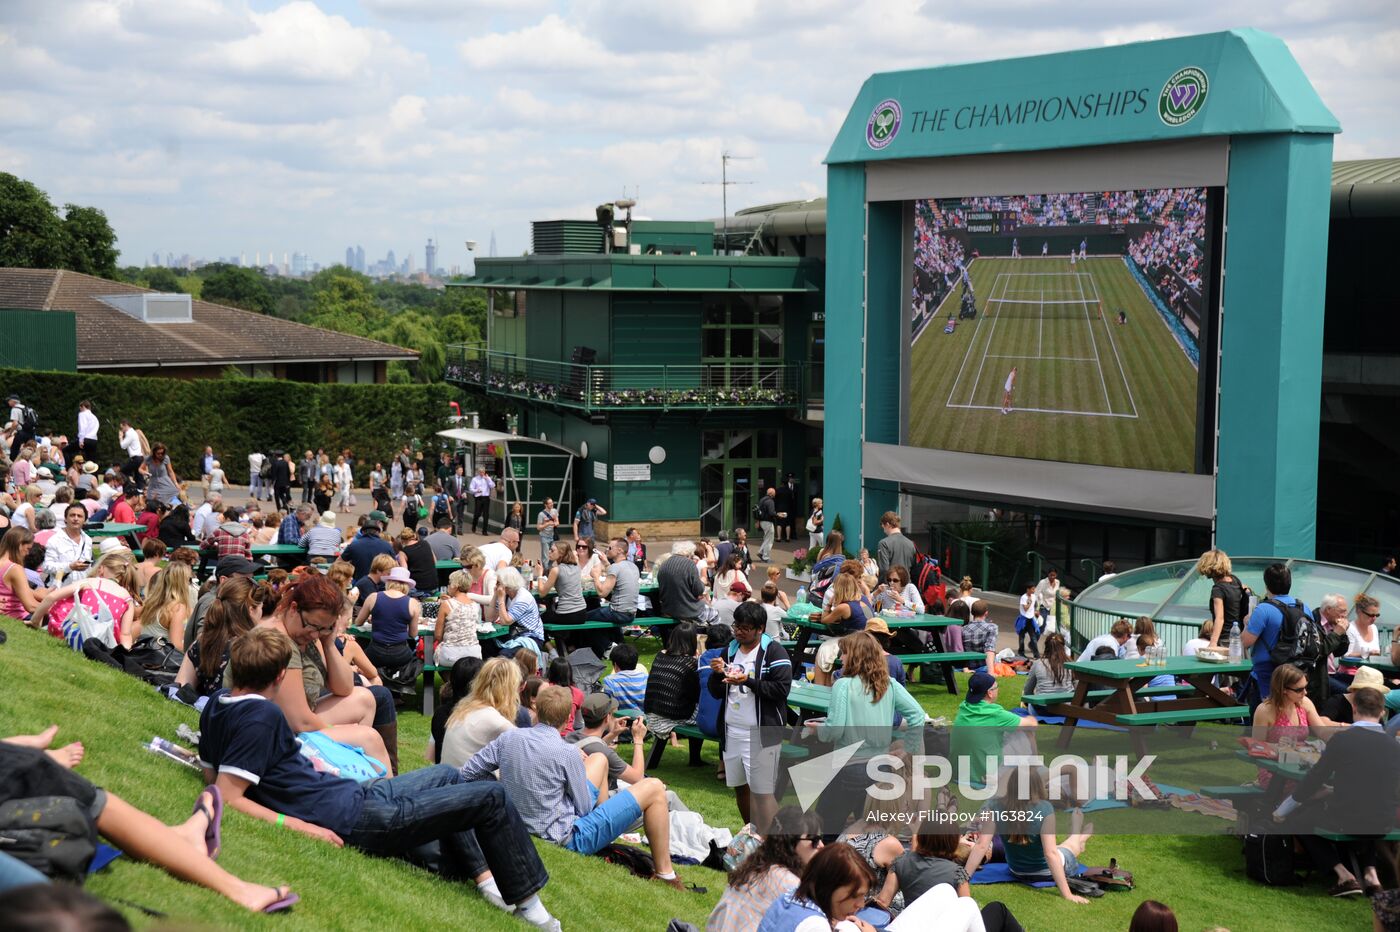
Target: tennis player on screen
{"points": [[1006, 394]]}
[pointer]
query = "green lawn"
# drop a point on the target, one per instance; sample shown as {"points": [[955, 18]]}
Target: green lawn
{"points": [[1087, 390], [41, 682]]}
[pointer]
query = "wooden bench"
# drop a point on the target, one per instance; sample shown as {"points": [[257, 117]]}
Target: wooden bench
{"points": [[1054, 698], [1184, 716]]}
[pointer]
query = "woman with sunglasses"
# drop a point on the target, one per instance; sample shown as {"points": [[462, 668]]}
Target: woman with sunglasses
{"points": [[318, 692], [772, 870], [1364, 637], [1287, 713]]}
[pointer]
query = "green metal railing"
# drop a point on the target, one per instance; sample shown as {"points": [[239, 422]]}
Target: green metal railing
{"points": [[612, 387], [989, 567]]}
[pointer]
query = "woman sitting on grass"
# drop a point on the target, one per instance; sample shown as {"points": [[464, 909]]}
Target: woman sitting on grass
{"points": [[1048, 673], [318, 692], [454, 692], [17, 598], [185, 851], [235, 611], [933, 862], [487, 711], [772, 870], [152, 562], [167, 607], [1032, 852], [111, 583]]}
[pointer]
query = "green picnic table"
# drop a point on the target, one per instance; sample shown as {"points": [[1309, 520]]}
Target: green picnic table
{"points": [[1127, 705], [118, 529], [809, 697], [430, 669], [932, 623], [1380, 663]]}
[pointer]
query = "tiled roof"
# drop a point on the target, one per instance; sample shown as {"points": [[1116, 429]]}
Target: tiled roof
{"points": [[218, 334]]}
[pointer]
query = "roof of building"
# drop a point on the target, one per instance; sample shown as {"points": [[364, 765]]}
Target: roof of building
{"points": [[1366, 171], [217, 334]]}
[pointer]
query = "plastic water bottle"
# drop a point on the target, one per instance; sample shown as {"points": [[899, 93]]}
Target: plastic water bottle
{"points": [[1236, 646], [801, 594]]}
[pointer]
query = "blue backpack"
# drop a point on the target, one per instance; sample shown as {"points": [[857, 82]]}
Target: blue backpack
{"points": [[707, 713]]}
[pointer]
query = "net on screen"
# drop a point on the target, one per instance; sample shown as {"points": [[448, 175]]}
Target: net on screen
{"points": [[1049, 308]]}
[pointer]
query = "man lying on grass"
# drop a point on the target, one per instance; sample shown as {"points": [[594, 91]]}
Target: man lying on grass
{"points": [[247, 749], [563, 796]]}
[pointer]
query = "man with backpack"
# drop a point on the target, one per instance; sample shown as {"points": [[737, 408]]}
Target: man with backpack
{"points": [[1279, 631], [24, 421]]}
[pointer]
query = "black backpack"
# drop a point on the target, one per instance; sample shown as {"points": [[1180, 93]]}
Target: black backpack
{"points": [[1268, 859], [1300, 640], [639, 862], [31, 420]]}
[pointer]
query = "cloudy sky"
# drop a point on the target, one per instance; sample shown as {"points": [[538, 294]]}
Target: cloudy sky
{"points": [[216, 127]]}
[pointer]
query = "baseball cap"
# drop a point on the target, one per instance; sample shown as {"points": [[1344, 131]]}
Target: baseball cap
{"points": [[591, 501], [378, 516], [597, 707], [234, 565], [979, 685]]}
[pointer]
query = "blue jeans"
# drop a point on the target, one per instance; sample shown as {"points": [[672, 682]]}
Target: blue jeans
{"points": [[15, 873], [434, 804], [602, 641]]}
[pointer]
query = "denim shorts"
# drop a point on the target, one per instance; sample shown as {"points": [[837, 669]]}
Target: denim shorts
{"points": [[595, 831]]}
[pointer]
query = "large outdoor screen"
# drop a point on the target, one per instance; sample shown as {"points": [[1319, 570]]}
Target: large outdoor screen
{"points": [[1063, 327]]}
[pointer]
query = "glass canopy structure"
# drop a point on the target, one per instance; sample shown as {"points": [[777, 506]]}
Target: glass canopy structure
{"points": [[1175, 597]]}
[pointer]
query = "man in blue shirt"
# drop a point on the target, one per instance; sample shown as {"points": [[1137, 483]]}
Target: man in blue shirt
{"points": [[295, 525], [1262, 630], [247, 749], [367, 544]]}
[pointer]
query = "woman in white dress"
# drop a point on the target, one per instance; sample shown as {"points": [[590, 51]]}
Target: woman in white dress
{"points": [[344, 484]]}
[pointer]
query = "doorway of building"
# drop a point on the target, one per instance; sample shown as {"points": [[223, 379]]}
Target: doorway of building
{"points": [[736, 466]]}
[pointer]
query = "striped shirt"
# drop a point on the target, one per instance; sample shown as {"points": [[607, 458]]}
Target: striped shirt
{"points": [[628, 687], [542, 774]]}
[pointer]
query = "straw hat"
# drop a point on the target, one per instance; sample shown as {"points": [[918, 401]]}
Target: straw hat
{"points": [[328, 519], [1368, 678], [90, 467], [111, 544]]}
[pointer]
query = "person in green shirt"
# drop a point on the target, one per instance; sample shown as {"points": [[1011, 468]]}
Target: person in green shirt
{"points": [[981, 727]]}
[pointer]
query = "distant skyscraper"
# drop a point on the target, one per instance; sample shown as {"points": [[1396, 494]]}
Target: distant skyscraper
{"points": [[393, 263], [155, 258], [430, 257], [349, 257], [243, 260], [170, 260], [492, 250], [359, 265], [257, 261]]}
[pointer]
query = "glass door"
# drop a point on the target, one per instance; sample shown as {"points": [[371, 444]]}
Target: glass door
{"points": [[741, 496], [712, 485]]}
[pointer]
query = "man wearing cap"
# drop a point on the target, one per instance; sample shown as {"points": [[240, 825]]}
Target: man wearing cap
{"points": [[206, 516], [738, 594], [367, 544], [599, 736], [481, 488], [584, 518], [980, 728], [226, 568], [753, 680], [23, 432]]}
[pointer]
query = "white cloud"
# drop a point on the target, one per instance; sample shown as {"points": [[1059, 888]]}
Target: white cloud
{"points": [[217, 126]]}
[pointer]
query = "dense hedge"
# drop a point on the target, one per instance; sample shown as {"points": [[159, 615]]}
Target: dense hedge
{"points": [[237, 416]]}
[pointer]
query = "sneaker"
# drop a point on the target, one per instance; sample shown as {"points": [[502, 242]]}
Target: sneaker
{"points": [[1346, 888]]}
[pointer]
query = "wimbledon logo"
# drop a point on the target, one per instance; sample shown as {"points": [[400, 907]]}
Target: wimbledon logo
{"points": [[883, 124], [1183, 96]]}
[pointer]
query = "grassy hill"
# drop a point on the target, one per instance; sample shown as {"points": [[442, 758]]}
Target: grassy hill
{"points": [[42, 682]]}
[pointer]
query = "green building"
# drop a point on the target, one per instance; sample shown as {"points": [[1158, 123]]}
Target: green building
{"points": [[686, 378]]}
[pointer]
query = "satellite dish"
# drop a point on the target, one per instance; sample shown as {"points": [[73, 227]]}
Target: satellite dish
{"points": [[626, 203]]}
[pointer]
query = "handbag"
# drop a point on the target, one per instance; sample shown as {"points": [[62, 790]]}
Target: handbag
{"points": [[83, 625], [1110, 878], [52, 834]]}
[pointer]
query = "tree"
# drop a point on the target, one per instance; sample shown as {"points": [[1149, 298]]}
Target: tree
{"points": [[31, 234], [458, 328], [238, 287], [89, 243], [162, 280]]}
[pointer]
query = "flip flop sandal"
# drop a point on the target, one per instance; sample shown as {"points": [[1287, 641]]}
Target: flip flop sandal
{"points": [[282, 903], [213, 838]]}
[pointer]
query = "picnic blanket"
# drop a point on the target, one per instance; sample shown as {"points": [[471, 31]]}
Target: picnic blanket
{"points": [[1000, 872]]}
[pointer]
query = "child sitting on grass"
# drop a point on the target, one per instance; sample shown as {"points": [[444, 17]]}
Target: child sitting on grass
{"points": [[248, 751], [627, 684], [1031, 849]]}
